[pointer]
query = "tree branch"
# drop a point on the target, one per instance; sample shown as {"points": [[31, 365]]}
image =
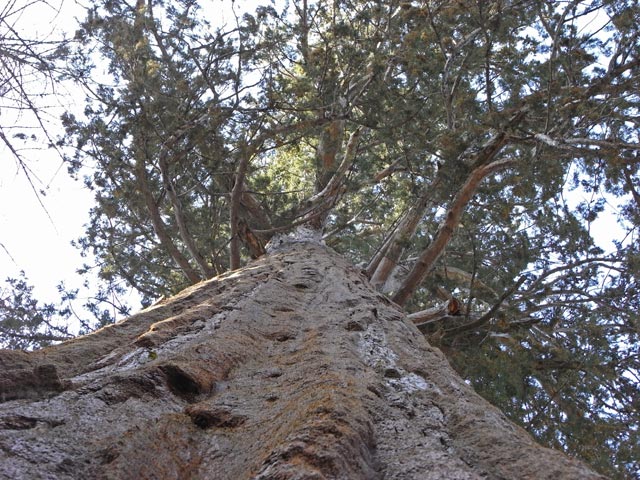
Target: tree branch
{"points": [[314, 206], [430, 255], [489, 313], [401, 236], [580, 142], [336, 179], [158, 224], [236, 194], [433, 314], [185, 235]]}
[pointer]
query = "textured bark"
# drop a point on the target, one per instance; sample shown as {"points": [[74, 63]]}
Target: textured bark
{"points": [[293, 367]]}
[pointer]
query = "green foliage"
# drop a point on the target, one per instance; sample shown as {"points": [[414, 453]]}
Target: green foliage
{"points": [[25, 323]]}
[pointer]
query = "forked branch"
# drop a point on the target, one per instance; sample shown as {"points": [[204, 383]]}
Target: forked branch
{"points": [[430, 255]]}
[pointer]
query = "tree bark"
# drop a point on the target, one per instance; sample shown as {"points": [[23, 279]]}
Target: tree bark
{"points": [[292, 367]]}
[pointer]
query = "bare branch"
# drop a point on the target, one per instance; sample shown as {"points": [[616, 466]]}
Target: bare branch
{"points": [[573, 143], [433, 314]]}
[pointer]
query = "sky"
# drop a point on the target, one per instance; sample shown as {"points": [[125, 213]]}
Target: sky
{"points": [[36, 238]]}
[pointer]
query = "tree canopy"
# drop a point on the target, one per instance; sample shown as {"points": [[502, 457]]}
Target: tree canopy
{"points": [[467, 155]]}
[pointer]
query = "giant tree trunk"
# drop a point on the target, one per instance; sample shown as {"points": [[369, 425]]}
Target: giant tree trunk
{"points": [[293, 367]]}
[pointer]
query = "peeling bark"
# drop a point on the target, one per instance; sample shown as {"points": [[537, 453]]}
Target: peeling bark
{"points": [[292, 367]]}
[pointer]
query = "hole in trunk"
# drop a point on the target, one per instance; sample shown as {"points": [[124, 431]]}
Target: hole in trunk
{"points": [[180, 382]]}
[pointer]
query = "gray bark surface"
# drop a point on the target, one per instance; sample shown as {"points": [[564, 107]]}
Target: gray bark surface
{"points": [[293, 367]]}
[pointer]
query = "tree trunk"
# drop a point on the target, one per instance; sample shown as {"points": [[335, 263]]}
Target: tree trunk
{"points": [[293, 367]]}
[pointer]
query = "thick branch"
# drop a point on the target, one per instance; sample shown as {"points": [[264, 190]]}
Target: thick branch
{"points": [[402, 235], [448, 308], [388, 171], [328, 147], [336, 179], [178, 214], [159, 227], [386, 264], [241, 198], [430, 255], [316, 205], [236, 194]]}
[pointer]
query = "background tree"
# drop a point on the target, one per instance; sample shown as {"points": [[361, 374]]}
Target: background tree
{"points": [[32, 96], [27, 75], [24, 323], [461, 152]]}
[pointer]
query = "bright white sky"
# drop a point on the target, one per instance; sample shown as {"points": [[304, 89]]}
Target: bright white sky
{"points": [[35, 243]]}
